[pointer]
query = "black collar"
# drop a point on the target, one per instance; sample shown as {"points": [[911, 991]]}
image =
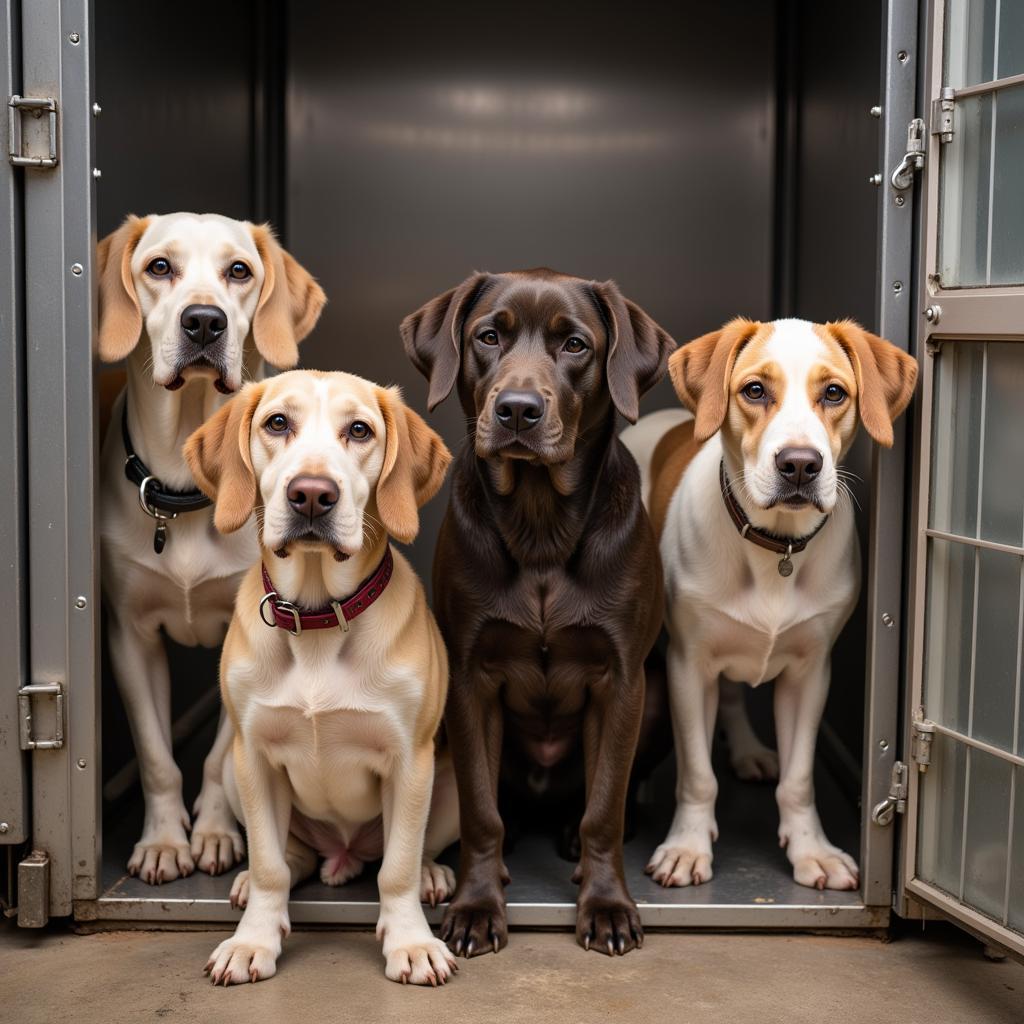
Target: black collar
{"points": [[785, 546], [157, 501]]}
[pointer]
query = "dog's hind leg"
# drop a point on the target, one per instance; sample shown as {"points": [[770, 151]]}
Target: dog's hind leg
{"points": [[301, 861], [437, 881], [751, 760], [140, 667], [216, 842]]}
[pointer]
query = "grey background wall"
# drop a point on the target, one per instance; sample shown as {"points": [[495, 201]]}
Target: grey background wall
{"points": [[713, 158]]}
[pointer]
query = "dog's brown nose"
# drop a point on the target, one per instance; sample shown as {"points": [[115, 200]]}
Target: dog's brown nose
{"points": [[203, 324], [312, 496], [798, 465], [518, 410]]}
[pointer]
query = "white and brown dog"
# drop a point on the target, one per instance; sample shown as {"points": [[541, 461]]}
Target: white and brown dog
{"points": [[194, 304], [337, 706], [760, 553]]}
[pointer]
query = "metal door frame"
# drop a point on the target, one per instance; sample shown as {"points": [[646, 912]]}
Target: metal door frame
{"points": [[965, 314], [63, 577]]}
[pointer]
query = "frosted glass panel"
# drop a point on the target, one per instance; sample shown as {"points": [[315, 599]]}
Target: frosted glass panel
{"points": [[987, 828], [1016, 914], [1002, 502], [940, 838], [984, 40]]}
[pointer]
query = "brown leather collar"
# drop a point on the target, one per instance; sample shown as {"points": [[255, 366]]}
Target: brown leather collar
{"points": [[785, 546], [337, 613]]}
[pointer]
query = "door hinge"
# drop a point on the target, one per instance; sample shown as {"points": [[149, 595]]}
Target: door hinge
{"points": [[34, 890], [46, 156], [922, 734], [942, 114], [913, 160], [26, 726], [896, 802]]}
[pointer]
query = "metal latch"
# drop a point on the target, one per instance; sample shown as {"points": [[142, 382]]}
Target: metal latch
{"points": [[37, 108], [922, 735], [913, 160], [896, 802], [942, 114], [25, 723]]}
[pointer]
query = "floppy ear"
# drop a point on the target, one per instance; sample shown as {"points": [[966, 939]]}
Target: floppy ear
{"points": [[219, 459], [638, 349], [432, 336], [700, 373], [120, 316], [415, 461], [290, 301], [885, 374]]}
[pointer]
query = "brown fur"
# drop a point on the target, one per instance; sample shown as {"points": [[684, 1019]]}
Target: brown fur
{"points": [[120, 316], [672, 454]]}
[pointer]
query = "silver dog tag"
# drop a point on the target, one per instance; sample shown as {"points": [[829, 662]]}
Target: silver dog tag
{"points": [[786, 562]]}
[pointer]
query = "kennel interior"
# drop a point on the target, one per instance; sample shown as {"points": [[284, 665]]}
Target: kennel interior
{"points": [[714, 159]]}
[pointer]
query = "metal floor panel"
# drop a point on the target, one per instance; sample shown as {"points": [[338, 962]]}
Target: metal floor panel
{"points": [[752, 887]]}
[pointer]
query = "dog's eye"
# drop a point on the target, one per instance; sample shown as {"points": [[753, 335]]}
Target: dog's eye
{"points": [[574, 346], [277, 424], [360, 431], [239, 271], [488, 337], [159, 267], [834, 394], [754, 391]]}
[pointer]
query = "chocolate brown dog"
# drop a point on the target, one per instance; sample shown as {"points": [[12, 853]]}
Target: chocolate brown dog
{"points": [[547, 581]]}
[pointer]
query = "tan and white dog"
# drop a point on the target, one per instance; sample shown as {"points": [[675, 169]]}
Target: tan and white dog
{"points": [[194, 304], [760, 553], [335, 709]]}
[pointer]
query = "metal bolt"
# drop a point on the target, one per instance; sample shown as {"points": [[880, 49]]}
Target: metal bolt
{"points": [[875, 111], [933, 314], [97, 173], [96, 110], [76, 269], [887, 620], [875, 179], [81, 602], [897, 286], [74, 38], [4, 828], [81, 762], [883, 744], [903, 56], [899, 200]]}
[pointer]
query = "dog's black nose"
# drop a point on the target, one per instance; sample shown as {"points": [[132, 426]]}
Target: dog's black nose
{"points": [[519, 410], [799, 465], [203, 324], [312, 496]]}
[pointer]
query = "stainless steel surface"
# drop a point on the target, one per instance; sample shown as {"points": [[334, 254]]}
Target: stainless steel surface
{"points": [[912, 161], [13, 668], [29, 734], [38, 109], [34, 890], [623, 147], [63, 641]]}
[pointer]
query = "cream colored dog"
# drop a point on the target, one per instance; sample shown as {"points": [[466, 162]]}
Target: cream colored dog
{"points": [[760, 553], [335, 709], [193, 303]]}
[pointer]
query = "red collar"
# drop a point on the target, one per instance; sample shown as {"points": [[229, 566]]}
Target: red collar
{"points": [[337, 613]]}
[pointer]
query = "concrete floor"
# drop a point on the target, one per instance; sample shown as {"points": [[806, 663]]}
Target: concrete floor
{"points": [[933, 978]]}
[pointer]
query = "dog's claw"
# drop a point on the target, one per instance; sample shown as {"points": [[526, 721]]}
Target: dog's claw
{"points": [[586, 942]]}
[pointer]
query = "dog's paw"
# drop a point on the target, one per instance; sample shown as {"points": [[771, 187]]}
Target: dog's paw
{"points": [[475, 926], [428, 962], [437, 882], [217, 845], [340, 868], [239, 896], [683, 860], [755, 763], [162, 858], [820, 865], [609, 925], [236, 961]]}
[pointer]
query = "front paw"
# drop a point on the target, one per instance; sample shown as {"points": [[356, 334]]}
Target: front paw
{"points": [[818, 864], [427, 962], [217, 844], [437, 882], [608, 924], [236, 961], [684, 858], [475, 925], [162, 854]]}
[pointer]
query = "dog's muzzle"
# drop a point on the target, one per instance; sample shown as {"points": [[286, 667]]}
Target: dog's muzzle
{"points": [[203, 340]]}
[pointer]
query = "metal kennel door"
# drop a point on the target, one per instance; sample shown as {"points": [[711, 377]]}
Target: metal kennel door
{"points": [[965, 818]]}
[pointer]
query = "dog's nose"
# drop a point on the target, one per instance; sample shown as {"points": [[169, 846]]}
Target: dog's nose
{"points": [[203, 324], [799, 465], [312, 496], [519, 410]]}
